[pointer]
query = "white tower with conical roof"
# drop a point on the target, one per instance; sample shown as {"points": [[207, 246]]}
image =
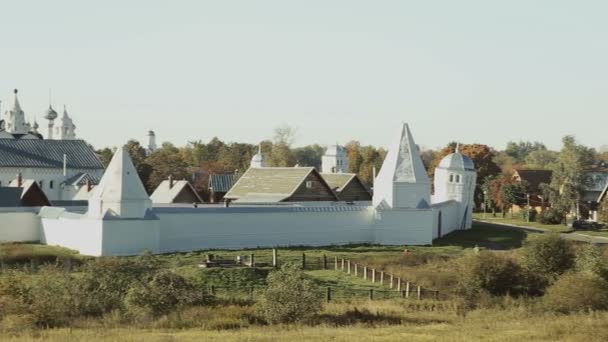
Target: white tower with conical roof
{"points": [[14, 118], [258, 160], [402, 181], [120, 192]]}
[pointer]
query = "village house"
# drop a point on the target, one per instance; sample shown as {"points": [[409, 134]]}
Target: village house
{"points": [[347, 186], [172, 191], [219, 185], [533, 180]]}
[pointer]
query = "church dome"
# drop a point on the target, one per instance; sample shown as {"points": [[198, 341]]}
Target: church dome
{"points": [[335, 150], [50, 114], [457, 161]]}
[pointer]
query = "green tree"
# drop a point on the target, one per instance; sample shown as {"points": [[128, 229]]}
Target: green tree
{"points": [[289, 297], [541, 159], [105, 155], [281, 154], [576, 292], [591, 260], [521, 150], [165, 162], [309, 155], [139, 158]]}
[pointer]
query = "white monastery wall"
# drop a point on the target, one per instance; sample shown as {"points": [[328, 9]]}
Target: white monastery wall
{"points": [[130, 237], [19, 225], [79, 233], [403, 227], [450, 214]]}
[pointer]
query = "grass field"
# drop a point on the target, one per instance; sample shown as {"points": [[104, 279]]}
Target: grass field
{"points": [[498, 219]]}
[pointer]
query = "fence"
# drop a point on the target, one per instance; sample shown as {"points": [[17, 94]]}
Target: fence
{"points": [[397, 287]]}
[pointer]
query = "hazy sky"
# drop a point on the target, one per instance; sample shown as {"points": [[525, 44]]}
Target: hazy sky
{"points": [[474, 71]]}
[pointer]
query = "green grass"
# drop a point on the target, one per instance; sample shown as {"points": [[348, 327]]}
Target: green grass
{"points": [[12, 253], [484, 235], [558, 228]]}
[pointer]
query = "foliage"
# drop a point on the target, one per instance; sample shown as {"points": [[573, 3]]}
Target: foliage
{"points": [[504, 192], [590, 259], [165, 162], [521, 150], [541, 159], [289, 296], [548, 255], [494, 274], [363, 160], [574, 292], [162, 293], [138, 156]]}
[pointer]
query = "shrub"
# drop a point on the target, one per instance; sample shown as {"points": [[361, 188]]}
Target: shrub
{"points": [[494, 274], [548, 255], [550, 216], [163, 293], [289, 296], [106, 282], [574, 292], [590, 259]]}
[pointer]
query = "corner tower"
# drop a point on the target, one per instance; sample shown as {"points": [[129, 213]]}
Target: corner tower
{"points": [[402, 181]]}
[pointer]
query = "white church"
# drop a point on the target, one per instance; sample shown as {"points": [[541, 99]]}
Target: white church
{"points": [[121, 219], [64, 167]]}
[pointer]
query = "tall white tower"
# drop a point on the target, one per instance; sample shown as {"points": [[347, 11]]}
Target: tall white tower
{"points": [[14, 118], [258, 160], [335, 160], [151, 143], [65, 129], [402, 181], [455, 180]]}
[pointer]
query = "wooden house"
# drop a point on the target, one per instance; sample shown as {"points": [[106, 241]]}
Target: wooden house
{"points": [[347, 186]]}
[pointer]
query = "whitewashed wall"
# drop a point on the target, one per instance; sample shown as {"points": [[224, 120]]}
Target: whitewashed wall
{"points": [[19, 225], [82, 234], [451, 217], [245, 228], [131, 237], [404, 227]]}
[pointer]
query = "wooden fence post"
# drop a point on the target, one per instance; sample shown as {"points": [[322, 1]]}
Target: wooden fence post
{"points": [[324, 261], [398, 284], [371, 294], [373, 275], [342, 265], [275, 260], [419, 292], [391, 277], [336, 264], [251, 260], [328, 294], [348, 266], [381, 277], [436, 295], [356, 270], [402, 293], [407, 290], [365, 272], [303, 261]]}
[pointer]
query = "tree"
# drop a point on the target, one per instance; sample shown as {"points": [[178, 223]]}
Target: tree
{"points": [[310, 155], [541, 159], [575, 292], [519, 151], [105, 155], [289, 296], [139, 158], [570, 178], [165, 162], [281, 153], [504, 192]]}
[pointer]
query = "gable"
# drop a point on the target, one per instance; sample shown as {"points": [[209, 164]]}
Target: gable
{"points": [[313, 188]]}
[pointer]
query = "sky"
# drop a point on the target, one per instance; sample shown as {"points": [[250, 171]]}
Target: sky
{"points": [[471, 71]]}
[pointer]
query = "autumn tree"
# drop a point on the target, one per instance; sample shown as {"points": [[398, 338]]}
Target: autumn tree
{"points": [[165, 162], [281, 153]]}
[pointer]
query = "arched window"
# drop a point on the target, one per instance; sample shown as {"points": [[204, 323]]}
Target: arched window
{"points": [[51, 184], [457, 178], [451, 178]]}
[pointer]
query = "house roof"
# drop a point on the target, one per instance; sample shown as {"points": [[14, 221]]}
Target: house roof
{"points": [[165, 193], [221, 182], [535, 177], [30, 186], [81, 179], [47, 154], [270, 184], [10, 196], [337, 181]]}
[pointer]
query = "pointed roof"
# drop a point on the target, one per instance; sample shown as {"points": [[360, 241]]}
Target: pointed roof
{"points": [[16, 105], [169, 191], [403, 163], [119, 184]]}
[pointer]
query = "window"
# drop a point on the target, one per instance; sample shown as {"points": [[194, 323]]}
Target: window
{"points": [[51, 184], [457, 178], [40, 183], [308, 184], [451, 178]]}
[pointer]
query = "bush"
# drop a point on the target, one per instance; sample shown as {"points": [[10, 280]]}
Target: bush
{"points": [[548, 255], [550, 216], [163, 293], [574, 292], [289, 296], [106, 282], [590, 259], [494, 274]]}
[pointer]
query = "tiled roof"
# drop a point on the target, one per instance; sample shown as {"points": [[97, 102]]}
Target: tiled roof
{"points": [[221, 182], [47, 154]]}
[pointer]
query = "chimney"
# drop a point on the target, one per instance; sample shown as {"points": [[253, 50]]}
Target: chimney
{"points": [[19, 180], [170, 181], [65, 165]]}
